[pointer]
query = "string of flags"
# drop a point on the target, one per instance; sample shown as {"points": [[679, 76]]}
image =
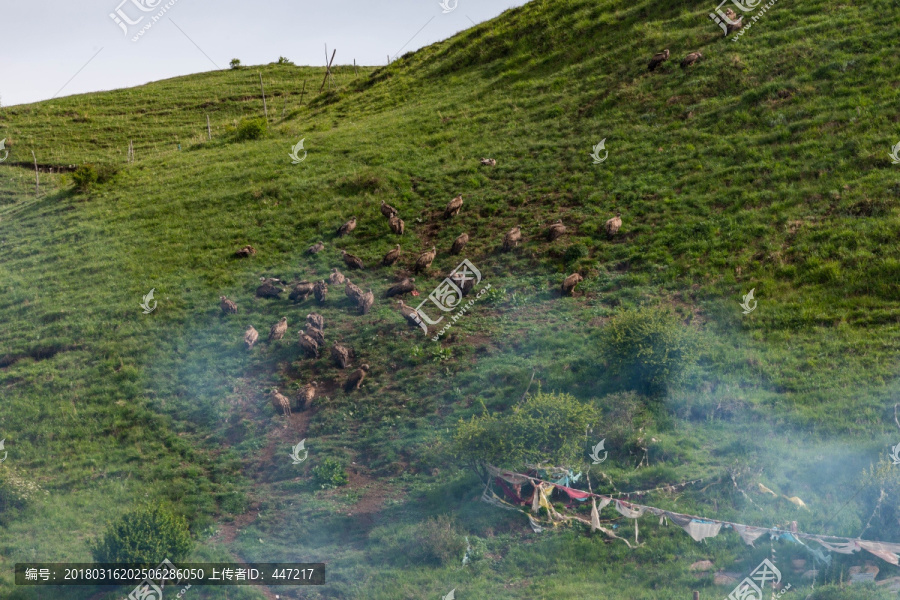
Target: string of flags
{"points": [[699, 528]]}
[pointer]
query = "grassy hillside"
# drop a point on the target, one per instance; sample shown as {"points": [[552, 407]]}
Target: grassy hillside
{"points": [[763, 166]]}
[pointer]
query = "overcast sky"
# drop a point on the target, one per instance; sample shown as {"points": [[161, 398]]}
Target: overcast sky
{"points": [[64, 47]]}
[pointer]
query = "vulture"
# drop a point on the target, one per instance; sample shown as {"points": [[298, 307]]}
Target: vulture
{"points": [[568, 285], [488, 162], [250, 336], [730, 14], [387, 210], [310, 346], [353, 292], [301, 291], [307, 393], [391, 257], [356, 378], [658, 59], [268, 289], [459, 243], [397, 225], [315, 248], [315, 320], [465, 284], [336, 277], [347, 227], [365, 302], [227, 305], [731, 27], [512, 239], [278, 330], [690, 59], [281, 403], [612, 226], [425, 259], [453, 208], [404, 287], [245, 252], [320, 290], [353, 262], [412, 317], [556, 231], [340, 355], [317, 334]]}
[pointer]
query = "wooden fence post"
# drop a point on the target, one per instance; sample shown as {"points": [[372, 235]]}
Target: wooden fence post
{"points": [[37, 177], [696, 595], [264, 96], [208, 128]]}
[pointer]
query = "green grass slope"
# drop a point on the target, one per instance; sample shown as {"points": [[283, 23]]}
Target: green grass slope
{"points": [[765, 165]]}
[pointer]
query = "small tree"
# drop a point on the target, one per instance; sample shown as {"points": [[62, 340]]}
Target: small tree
{"points": [[146, 535], [545, 427], [235, 63], [284, 61], [251, 129], [648, 349], [85, 177]]}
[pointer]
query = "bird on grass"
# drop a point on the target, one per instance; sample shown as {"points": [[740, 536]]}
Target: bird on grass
{"points": [[690, 59], [307, 394], [412, 317], [356, 378], [556, 231], [268, 289], [459, 243], [387, 210], [309, 345], [353, 291], [488, 162], [250, 336], [228, 307], [280, 402], [613, 225], [391, 257], [278, 330], [245, 252], [404, 287], [317, 334], [425, 259], [365, 302], [347, 227], [336, 277], [352, 262], [315, 248], [453, 207], [301, 291], [320, 290], [512, 239], [658, 59], [568, 285], [340, 355], [316, 320], [397, 225]]}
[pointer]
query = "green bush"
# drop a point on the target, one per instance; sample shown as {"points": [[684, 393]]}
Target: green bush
{"points": [[85, 177], [251, 129], [283, 61], [575, 252], [235, 63], [146, 535], [648, 349], [16, 493], [330, 473], [543, 428]]}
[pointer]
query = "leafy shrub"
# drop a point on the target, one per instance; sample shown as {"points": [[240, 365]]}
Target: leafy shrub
{"points": [[648, 349], [15, 493], [575, 252], [235, 63], [545, 427], [145, 535], [330, 473], [284, 61], [251, 129], [85, 177]]}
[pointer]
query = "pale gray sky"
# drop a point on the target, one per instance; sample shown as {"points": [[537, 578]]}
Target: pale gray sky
{"points": [[48, 45]]}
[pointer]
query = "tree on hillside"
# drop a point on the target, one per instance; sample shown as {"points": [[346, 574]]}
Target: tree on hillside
{"points": [[146, 535], [543, 428]]}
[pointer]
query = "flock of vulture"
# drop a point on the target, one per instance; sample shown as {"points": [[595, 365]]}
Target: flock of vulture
{"points": [[732, 25], [312, 338]]}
